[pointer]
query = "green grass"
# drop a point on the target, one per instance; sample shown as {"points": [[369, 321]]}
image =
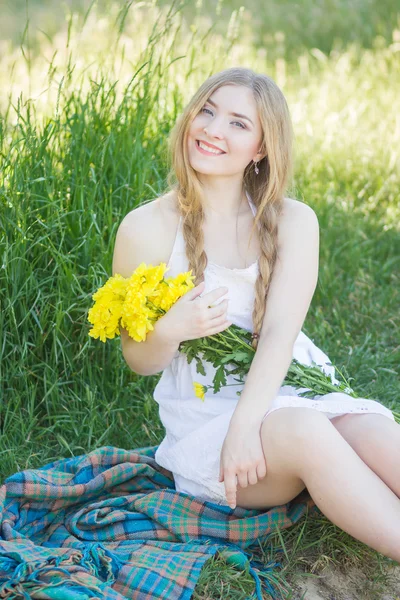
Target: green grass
{"points": [[84, 121]]}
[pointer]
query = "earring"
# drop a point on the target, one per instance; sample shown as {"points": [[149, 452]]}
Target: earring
{"points": [[257, 170]]}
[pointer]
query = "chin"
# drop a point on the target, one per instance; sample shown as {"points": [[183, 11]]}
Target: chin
{"points": [[204, 171]]}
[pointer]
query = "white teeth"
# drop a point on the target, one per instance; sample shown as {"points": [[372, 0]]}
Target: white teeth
{"points": [[209, 149]]}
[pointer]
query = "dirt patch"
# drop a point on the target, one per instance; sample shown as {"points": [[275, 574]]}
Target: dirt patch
{"points": [[354, 584]]}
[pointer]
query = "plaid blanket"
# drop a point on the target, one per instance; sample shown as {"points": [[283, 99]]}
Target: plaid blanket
{"points": [[111, 525]]}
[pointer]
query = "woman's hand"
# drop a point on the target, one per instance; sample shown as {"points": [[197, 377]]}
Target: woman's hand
{"points": [[194, 316], [242, 455]]}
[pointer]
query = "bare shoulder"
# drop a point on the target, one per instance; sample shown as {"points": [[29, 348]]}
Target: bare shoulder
{"points": [[295, 209], [296, 217], [145, 234]]}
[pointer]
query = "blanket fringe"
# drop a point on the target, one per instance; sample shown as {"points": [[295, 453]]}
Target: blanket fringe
{"points": [[75, 576], [244, 561]]}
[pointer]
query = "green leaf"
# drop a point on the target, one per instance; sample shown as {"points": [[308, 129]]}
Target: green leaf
{"points": [[200, 367], [219, 379], [230, 353]]}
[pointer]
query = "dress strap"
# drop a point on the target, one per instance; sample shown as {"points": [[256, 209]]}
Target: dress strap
{"points": [[179, 243]]}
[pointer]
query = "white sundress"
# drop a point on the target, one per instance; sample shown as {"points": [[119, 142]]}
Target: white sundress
{"points": [[196, 429]]}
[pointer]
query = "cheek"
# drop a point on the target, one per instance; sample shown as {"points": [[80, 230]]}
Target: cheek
{"points": [[251, 148], [244, 148], [197, 123]]}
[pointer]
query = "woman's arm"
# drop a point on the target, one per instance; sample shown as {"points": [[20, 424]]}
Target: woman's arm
{"points": [[138, 240], [292, 287]]}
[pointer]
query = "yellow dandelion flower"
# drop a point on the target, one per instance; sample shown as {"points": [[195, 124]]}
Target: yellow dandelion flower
{"points": [[199, 390], [138, 328], [174, 289], [106, 311], [136, 302], [115, 287]]}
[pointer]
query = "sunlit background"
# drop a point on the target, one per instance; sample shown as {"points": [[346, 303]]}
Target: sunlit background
{"points": [[89, 93]]}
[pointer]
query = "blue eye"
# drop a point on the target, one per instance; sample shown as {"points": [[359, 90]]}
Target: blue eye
{"points": [[241, 124]]}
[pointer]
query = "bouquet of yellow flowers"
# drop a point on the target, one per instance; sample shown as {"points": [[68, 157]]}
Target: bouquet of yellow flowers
{"points": [[137, 302]]}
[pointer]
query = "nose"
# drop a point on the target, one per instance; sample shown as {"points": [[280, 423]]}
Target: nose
{"points": [[215, 129]]}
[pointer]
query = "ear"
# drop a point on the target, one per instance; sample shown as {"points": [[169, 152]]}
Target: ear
{"points": [[259, 156]]}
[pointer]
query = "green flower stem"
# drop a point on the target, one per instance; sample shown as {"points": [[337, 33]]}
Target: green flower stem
{"points": [[313, 378], [245, 344], [216, 350], [220, 341], [156, 309], [227, 385]]}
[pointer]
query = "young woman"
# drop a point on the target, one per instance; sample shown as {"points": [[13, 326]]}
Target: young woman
{"points": [[231, 164]]}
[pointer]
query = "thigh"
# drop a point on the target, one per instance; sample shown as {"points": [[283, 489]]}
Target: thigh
{"points": [[283, 433], [365, 430], [273, 490]]}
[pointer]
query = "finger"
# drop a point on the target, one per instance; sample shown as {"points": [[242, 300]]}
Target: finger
{"points": [[219, 328], [196, 291], [261, 470], [214, 295], [218, 319], [252, 477], [230, 488], [220, 310], [242, 479], [221, 473]]}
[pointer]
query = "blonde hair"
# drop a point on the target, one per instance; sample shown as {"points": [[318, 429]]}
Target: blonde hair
{"points": [[266, 189]]}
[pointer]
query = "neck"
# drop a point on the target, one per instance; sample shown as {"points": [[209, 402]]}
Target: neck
{"points": [[224, 199]]}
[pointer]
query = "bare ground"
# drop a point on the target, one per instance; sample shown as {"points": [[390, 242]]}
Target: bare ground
{"points": [[332, 583]]}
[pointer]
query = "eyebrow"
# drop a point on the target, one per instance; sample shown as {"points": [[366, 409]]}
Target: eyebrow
{"points": [[234, 114]]}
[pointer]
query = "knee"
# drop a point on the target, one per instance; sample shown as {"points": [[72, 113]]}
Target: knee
{"points": [[295, 427], [358, 428], [290, 436]]}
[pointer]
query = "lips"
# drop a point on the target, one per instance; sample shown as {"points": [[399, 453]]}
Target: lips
{"points": [[210, 146]]}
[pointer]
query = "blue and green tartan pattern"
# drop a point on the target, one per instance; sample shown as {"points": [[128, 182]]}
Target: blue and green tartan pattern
{"points": [[110, 525]]}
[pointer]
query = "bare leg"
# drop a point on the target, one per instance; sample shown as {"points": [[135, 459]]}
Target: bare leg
{"points": [[343, 487], [376, 439]]}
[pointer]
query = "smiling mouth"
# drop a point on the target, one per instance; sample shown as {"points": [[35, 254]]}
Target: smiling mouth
{"points": [[211, 151]]}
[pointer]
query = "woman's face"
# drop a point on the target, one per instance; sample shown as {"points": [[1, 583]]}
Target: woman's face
{"points": [[236, 139]]}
